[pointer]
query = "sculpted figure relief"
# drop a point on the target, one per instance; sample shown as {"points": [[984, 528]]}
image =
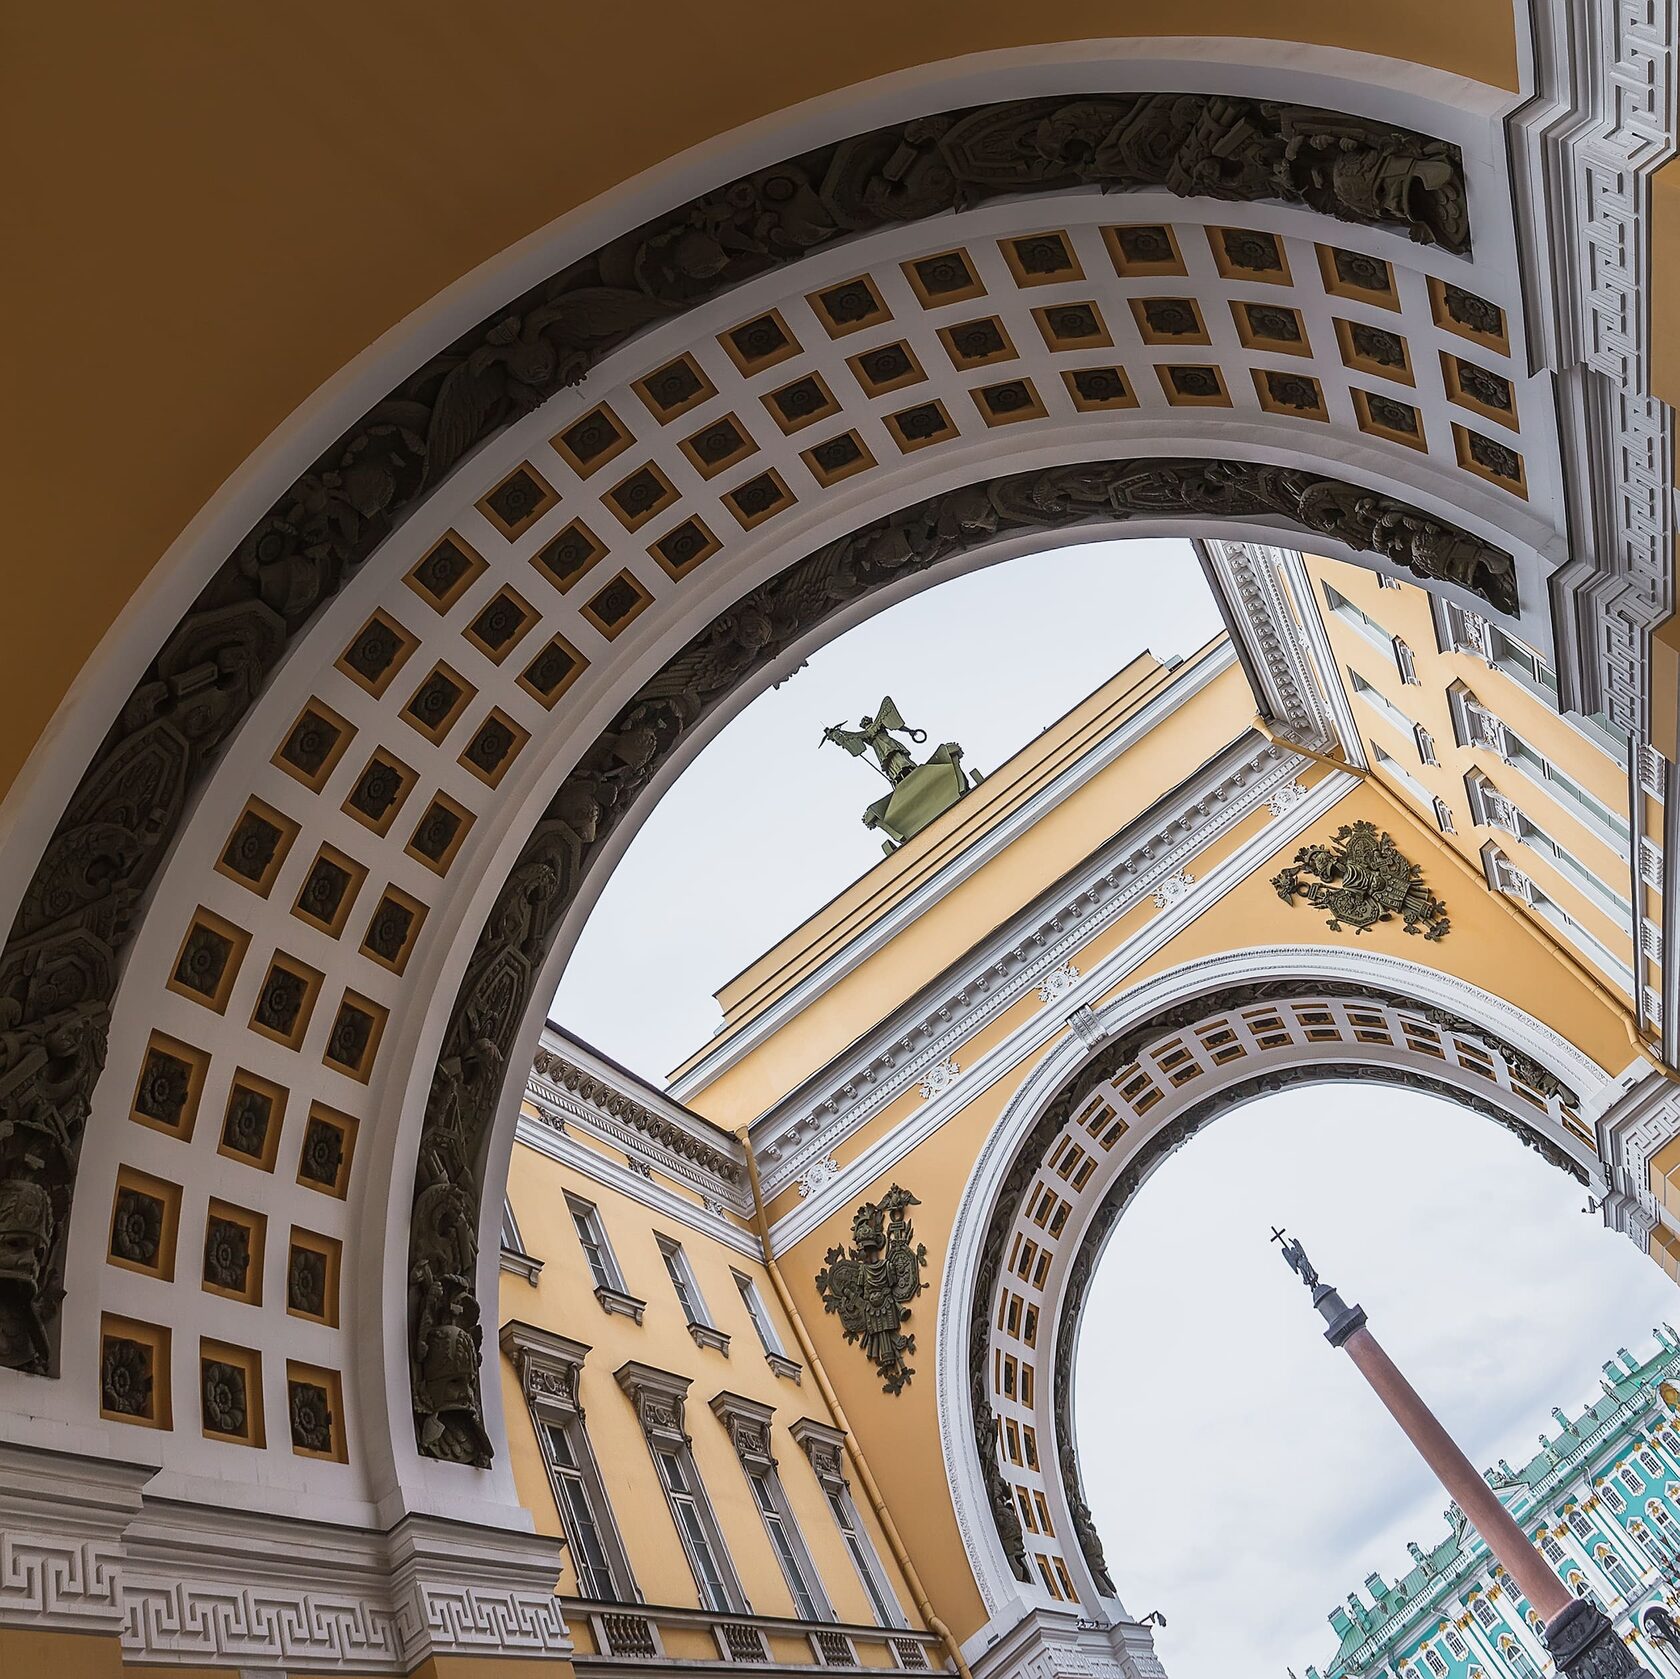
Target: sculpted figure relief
{"points": [[63, 953]]}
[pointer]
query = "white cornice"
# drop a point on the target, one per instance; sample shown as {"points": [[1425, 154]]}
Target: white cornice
{"points": [[1215, 883], [828, 1107], [547, 1136], [1189, 681]]}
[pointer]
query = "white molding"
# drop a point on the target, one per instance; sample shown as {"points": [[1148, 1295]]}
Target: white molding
{"points": [[1046, 1024], [818, 1117], [970, 1503], [544, 1134], [1583, 154], [82, 1549], [1185, 685]]}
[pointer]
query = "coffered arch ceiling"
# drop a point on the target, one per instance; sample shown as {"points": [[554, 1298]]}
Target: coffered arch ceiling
{"points": [[338, 840], [221, 231], [1091, 1124]]}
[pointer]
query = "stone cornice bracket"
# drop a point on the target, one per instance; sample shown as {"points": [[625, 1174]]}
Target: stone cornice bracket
{"points": [[825, 1447], [748, 1423], [660, 1398], [549, 1366]]}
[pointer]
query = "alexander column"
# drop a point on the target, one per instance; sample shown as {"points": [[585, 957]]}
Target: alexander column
{"points": [[1576, 1631]]}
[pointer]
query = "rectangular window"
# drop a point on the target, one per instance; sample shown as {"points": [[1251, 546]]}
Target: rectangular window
{"points": [[1403, 775], [593, 1240], [681, 1274], [760, 1316], [863, 1555], [571, 1468], [682, 1490], [1569, 865], [1358, 618], [778, 1523], [1580, 937], [1566, 791], [1380, 703]]}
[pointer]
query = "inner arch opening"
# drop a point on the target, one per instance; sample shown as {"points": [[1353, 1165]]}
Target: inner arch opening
{"points": [[1243, 1478]]}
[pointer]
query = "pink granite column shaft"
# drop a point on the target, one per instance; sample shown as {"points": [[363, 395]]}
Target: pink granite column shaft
{"points": [[1545, 1592]]}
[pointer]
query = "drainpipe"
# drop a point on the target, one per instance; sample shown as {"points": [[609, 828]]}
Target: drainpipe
{"points": [[871, 1489]]}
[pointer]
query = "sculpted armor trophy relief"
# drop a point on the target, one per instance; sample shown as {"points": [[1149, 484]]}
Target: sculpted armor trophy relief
{"points": [[870, 1285]]}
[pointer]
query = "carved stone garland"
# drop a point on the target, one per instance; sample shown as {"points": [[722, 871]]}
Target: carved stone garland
{"points": [[59, 969], [1108, 1061], [484, 1024]]}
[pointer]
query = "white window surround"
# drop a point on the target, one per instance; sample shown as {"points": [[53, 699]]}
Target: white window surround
{"points": [[1504, 876], [686, 1287], [660, 1399], [748, 1423], [1474, 724], [1459, 630], [1356, 616], [758, 1313], [825, 1447], [1404, 776], [550, 1369], [603, 1265], [1492, 809], [1380, 703], [515, 1256]]}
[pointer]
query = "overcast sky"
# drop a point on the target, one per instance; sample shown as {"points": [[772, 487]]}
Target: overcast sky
{"points": [[1242, 1477], [766, 825]]}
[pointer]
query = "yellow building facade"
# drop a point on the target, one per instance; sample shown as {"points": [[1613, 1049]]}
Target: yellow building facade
{"points": [[354, 1318]]}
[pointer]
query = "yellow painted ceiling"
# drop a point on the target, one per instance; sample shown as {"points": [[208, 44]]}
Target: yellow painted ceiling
{"points": [[213, 208]]}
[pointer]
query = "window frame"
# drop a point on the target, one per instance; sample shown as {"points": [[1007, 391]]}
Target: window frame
{"points": [[684, 1284], [824, 1449], [758, 1314], [591, 1232], [660, 1401], [550, 1369]]}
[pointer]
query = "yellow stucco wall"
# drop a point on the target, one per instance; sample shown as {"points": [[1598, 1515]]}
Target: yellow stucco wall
{"points": [[224, 205], [1057, 842], [562, 1300]]}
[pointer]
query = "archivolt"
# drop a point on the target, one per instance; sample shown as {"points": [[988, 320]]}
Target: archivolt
{"points": [[489, 1009], [1112, 1062], [59, 970]]}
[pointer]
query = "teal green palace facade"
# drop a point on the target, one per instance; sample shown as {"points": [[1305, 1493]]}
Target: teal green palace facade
{"points": [[1601, 1498]]}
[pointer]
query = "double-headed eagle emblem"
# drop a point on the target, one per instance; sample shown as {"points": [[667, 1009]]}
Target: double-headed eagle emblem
{"points": [[871, 1284], [1363, 879]]}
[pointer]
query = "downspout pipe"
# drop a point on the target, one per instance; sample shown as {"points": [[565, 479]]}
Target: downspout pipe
{"points": [[871, 1488]]}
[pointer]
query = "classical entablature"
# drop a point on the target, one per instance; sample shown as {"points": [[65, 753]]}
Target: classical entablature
{"points": [[291, 879]]}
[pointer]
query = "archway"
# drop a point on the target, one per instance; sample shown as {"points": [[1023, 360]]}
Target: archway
{"points": [[302, 871], [1084, 1132]]}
